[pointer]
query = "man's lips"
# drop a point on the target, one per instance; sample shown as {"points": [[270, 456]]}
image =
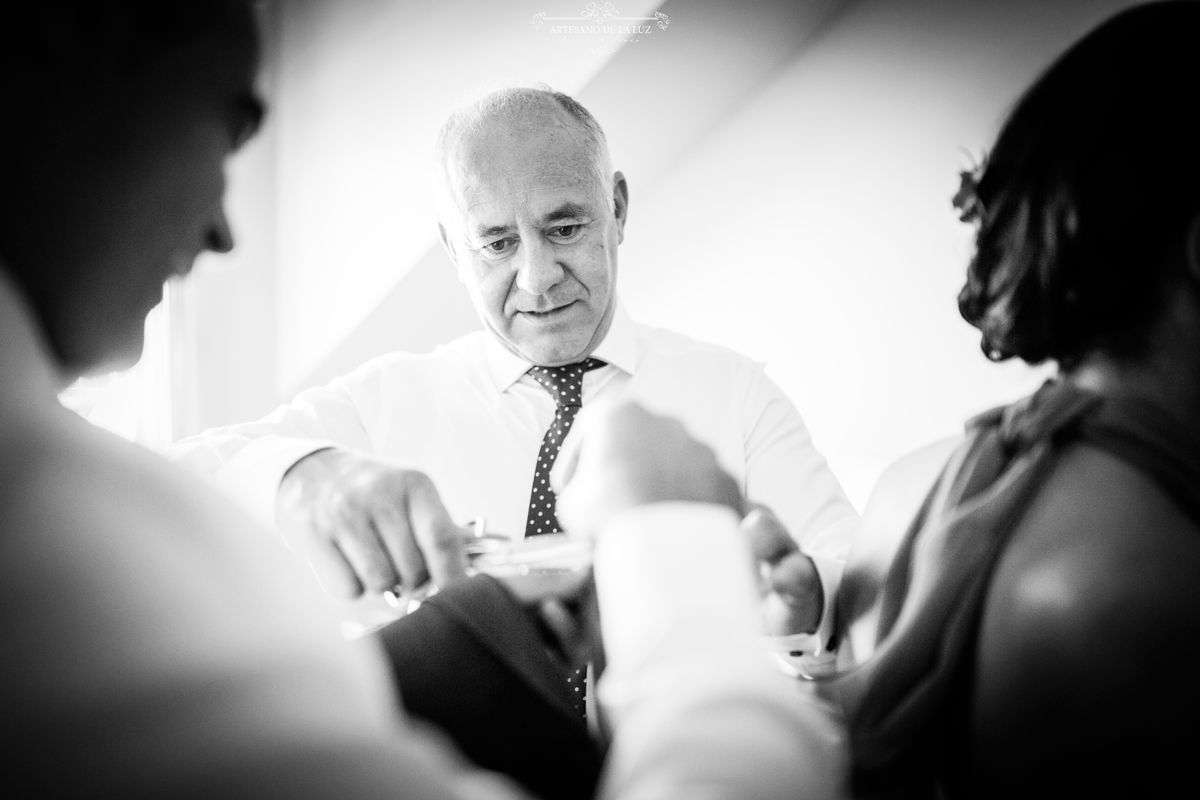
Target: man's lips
{"points": [[549, 313]]}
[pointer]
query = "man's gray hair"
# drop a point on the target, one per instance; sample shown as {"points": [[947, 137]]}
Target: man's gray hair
{"points": [[533, 101]]}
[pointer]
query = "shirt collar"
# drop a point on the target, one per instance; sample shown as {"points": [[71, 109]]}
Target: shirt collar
{"points": [[619, 348]]}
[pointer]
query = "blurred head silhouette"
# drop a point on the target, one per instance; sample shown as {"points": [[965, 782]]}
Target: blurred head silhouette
{"points": [[119, 118], [1088, 201]]}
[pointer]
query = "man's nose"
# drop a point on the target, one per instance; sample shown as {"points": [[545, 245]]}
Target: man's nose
{"points": [[538, 269], [218, 237]]}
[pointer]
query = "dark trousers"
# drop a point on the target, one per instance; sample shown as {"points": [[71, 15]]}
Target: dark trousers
{"points": [[472, 661]]}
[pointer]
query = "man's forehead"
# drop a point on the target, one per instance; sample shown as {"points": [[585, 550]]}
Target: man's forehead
{"points": [[544, 202], [500, 187], [512, 165], [489, 190]]}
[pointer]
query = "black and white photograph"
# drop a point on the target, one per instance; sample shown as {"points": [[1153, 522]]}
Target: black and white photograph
{"points": [[571, 400]]}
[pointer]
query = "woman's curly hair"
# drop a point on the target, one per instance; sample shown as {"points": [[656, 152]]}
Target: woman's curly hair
{"points": [[1094, 177]]}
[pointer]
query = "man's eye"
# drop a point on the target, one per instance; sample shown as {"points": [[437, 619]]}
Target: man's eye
{"points": [[566, 233], [498, 248]]}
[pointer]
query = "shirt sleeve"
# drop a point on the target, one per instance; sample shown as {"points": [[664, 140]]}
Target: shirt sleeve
{"points": [[785, 472], [248, 461], [699, 709]]}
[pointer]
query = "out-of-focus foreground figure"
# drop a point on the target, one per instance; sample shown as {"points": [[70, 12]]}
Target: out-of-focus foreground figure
{"points": [[152, 645], [1031, 633], [156, 644]]}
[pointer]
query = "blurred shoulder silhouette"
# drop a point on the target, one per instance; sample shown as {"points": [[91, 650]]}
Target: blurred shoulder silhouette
{"points": [[155, 644]]}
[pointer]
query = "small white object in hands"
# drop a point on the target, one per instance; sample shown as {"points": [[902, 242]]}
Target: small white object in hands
{"points": [[504, 557]]}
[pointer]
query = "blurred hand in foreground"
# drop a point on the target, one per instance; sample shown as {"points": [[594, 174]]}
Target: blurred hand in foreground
{"points": [[788, 580], [617, 458], [366, 526], [622, 456]]}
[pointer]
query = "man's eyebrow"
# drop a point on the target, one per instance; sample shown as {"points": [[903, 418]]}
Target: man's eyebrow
{"points": [[493, 230], [565, 211], [249, 111]]}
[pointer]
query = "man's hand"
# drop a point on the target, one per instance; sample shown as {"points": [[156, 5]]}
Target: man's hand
{"points": [[788, 580], [623, 456], [367, 526]]}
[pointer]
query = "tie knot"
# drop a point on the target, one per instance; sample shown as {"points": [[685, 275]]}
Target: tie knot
{"points": [[565, 383]]}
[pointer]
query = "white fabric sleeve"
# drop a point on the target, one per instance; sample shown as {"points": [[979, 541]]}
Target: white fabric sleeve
{"points": [[249, 460], [785, 472], [699, 709]]}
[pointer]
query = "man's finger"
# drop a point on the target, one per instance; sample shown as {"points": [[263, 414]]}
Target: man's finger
{"points": [[795, 600], [357, 539], [769, 541], [439, 538], [795, 579], [333, 571], [395, 530]]}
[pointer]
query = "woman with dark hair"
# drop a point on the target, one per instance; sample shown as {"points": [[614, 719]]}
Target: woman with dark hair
{"points": [[1031, 633]]}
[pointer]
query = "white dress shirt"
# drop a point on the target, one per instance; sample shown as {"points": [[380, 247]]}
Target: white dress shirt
{"points": [[470, 417], [157, 645]]}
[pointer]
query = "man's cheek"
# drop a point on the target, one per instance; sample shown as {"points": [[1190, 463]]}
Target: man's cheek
{"points": [[494, 297], [474, 278], [601, 267]]}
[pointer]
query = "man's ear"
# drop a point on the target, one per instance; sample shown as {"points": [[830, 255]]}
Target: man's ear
{"points": [[620, 203], [446, 243]]}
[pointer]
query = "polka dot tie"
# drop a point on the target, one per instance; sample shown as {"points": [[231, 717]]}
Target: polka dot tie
{"points": [[565, 385]]}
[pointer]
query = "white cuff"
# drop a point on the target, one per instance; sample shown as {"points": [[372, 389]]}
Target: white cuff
{"points": [[673, 579], [252, 476]]}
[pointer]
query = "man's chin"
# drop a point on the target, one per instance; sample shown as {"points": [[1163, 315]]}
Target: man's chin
{"points": [[553, 353], [104, 357], [549, 342]]}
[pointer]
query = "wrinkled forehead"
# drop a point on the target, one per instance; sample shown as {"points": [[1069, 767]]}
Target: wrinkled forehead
{"points": [[515, 164]]}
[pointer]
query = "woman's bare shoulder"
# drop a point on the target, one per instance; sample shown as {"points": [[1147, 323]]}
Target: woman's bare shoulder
{"points": [[1088, 631], [1102, 543], [1098, 589]]}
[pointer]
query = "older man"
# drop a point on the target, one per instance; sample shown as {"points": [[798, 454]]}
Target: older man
{"points": [[155, 645], [532, 215]]}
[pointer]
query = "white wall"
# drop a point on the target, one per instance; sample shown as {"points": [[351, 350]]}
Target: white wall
{"points": [[813, 230], [223, 315]]}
